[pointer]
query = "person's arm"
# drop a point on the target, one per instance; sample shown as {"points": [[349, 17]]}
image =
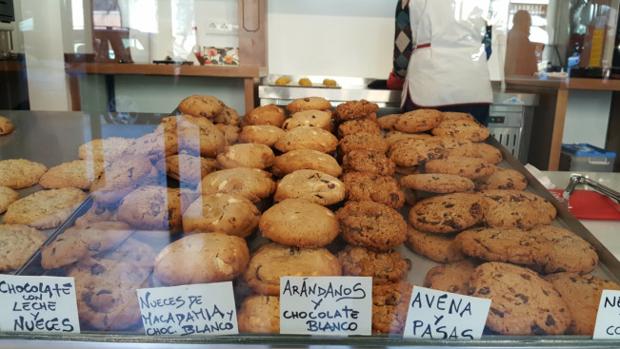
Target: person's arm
{"points": [[403, 46]]}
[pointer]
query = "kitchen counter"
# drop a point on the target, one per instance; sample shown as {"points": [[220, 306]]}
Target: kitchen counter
{"points": [[608, 232]]}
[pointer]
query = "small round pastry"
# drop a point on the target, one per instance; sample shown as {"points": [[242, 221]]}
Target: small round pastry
{"points": [[225, 213], [306, 137], [6, 126], [362, 186], [420, 120], [272, 261], [437, 183], [205, 106], [202, 258], [352, 127], [308, 103], [259, 314], [330, 83], [250, 155], [313, 118], [45, 209], [20, 173], [230, 132], [251, 183], [471, 168], [186, 168], [17, 244], [363, 141], [368, 161], [228, 116], [383, 267], [447, 214], [413, 152], [107, 149], [373, 225], [305, 82], [462, 129], [77, 174], [306, 159], [356, 110], [288, 223], [311, 185], [153, 207], [269, 114], [7, 197], [261, 134], [503, 178]]}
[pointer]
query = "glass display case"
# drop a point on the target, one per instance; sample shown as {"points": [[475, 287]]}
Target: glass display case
{"points": [[137, 211]]}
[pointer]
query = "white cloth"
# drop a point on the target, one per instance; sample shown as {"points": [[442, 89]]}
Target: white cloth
{"points": [[453, 70]]}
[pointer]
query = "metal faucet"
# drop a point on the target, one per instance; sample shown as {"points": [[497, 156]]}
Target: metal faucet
{"points": [[577, 179]]}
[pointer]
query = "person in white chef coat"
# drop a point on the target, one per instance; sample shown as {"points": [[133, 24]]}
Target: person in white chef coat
{"points": [[440, 56]]}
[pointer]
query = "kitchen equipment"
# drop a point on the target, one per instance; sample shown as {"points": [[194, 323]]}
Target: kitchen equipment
{"points": [[576, 180], [586, 157]]}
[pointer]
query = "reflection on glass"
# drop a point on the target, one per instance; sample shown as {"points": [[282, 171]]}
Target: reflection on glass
{"points": [[520, 51]]}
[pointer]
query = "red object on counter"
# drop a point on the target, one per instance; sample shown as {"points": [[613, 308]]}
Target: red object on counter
{"points": [[587, 204]]}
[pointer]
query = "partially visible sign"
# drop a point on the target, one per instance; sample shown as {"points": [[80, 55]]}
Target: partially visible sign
{"points": [[608, 317], [328, 306], [201, 309], [38, 304], [442, 315]]}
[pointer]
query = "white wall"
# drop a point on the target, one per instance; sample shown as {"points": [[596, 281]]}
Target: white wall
{"points": [[587, 117], [339, 38]]}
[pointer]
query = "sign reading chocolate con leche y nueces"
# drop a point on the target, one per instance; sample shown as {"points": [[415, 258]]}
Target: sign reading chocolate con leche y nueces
{"points": [[202, 309], [334, 306], [38, 304]]}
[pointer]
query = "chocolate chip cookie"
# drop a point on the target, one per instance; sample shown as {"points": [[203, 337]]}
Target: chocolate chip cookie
{"points": [[373, 225], [251, 155], [306, 137], [438, 248], [503, 178], [269, 114], [453, 277], [463, 129], [383, 267], [313, 118], [420, 120], [251, 183], [311, 185], [154, 208], [261, 134], [225, 213], [185, 168], [306, 159], [437, 183], [446, 214], [308, 103], [387, 122], [471, 168], [482, 151], [362, 186], [513, 208], [412, 152], [205, 106]]}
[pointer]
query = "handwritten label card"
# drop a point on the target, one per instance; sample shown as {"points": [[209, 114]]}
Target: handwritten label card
{"points": [[441, 315], [202, 309], [38, 304], [329, 306], [608, 317]]}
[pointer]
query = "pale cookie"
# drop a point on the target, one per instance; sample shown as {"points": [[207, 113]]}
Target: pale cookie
{"points": [[412, 152], [306, 137], [373, 225], [387, 122], [17, 244], [503, 178], [453, 277], [225, 213], [77, 243], [437, 183], [462, 129], [202, 258], [96, 213], [522, 303], [185, 168], [194, 135], [363, 186], [272, 261], [250, 155], [6, 126], [306, 159], [231, 133], [77, 174], [107, 149], [471, 168], [363, 141], [582, 294], [269, 114], [368, 161], [311, 185], [514, 208], [447, 213], [20, 173], [420, 120], [308, 103], [228, 116], [205, 106], [7, 197], [394, 137], [45, 209], [261, 134], [383, 267], [300, 223], [356, 110], [438, 248], [259, 314], [250, 183], [482, 151], [153, 146], [313, 118], [154, 207]]}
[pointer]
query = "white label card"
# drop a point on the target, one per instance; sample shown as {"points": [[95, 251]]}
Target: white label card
{"points": [[442, 315], [608, 317], [201, 309], [326, 306], [38, 304]]}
